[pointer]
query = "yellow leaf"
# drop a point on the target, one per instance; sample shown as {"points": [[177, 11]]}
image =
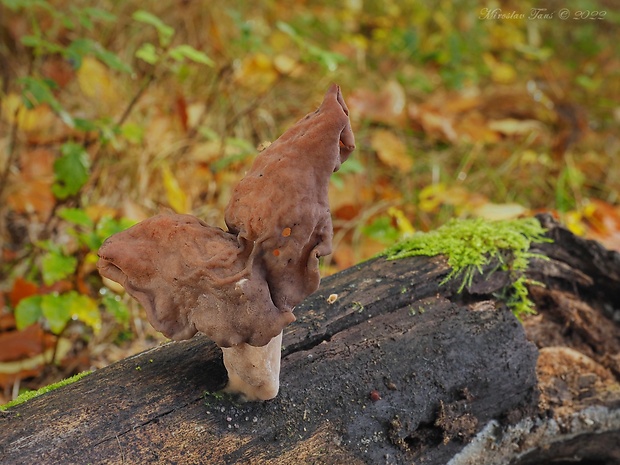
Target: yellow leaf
{"points": [[403, 224], [574, 222], [512, 126], [175, 195], [391, 150], [95, 81], [502, 73], [37, 119], [431, 197], [85, 309], [500, 211], [284, 64], [257, 72]]}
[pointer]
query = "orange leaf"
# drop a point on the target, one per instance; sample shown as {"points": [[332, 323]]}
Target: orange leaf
{"points": [[21, 290]]}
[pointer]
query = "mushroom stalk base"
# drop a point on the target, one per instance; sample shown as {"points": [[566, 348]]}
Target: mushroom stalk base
{"points": [[254, 372]]}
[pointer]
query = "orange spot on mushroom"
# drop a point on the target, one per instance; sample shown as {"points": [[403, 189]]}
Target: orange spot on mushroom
{"points": [[276, 252], [286, 232]]}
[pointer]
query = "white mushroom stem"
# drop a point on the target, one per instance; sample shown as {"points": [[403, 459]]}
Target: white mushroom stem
{"points": [[254, 372]]}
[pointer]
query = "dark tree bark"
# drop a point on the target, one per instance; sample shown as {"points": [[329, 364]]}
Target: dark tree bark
{"points": [[398, 369]]}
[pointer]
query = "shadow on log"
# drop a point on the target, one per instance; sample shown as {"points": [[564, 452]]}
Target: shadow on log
{"points": [[396, 370]]}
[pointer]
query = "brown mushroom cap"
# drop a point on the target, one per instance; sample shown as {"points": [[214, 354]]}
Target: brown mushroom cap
{"points": [[281, 207], [240, 286], [190, 276]]}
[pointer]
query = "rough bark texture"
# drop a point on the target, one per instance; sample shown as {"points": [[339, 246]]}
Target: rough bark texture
{"points": [[396, 370]]}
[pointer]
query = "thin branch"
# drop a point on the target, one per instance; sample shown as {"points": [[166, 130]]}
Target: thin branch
{"points": [[12, 154], [147, 82]]}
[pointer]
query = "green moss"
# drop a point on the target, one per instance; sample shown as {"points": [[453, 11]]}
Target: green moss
{"points": [[32, 394], [470, 245]]}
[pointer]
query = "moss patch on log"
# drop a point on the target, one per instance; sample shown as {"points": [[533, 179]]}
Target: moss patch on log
{"points": [[472, 244], [25, 396]]}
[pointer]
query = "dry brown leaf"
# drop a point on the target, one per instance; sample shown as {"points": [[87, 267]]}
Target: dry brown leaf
{"points": [[21, 289], [32, 190], [386, 106], [391, 150], [433, 122], [474, 128]]}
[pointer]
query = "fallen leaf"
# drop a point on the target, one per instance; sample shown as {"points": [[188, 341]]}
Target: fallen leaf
{"points": [[386, 106], [96, 82], [391, 150], [512, 126], [499, 211], [39, 119], [256, 72], [20, 290], [501, 72], [17, 345], [433, 122], [174, 193]]}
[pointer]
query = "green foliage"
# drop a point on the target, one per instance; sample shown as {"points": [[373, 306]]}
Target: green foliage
{"points": [[26, 396], [57, 311], [51, 263], [154, 55], [381, 230], [312, 52], [470, 245], [56, 266], [164, 31], [71, 170]]}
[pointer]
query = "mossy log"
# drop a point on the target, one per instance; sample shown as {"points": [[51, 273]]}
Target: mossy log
{"points": [[397, 369]]}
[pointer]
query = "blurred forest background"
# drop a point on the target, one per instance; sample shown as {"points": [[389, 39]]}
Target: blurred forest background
{"points": [[112, 111]]}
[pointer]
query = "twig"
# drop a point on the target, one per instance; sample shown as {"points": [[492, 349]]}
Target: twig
{"points": [[12, 154], [120, 448], [147, 82]]}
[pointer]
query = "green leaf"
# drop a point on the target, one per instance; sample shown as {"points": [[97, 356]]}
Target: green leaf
{"points": [[99, 14], [381, 229], [117, 308], [77, 50], [133, 132], [85, 125], [76, 216], [81, 47], [71, 170], [39, 91], [111, 59], [91, 240], [42, 45], [56, 266], [56, 311], [28, 311], [108, 226], [187, 51], [165, 32], [147, 52]]}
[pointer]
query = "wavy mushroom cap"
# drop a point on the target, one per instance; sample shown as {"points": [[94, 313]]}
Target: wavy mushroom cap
{"points": [[192, 277], [280, 209]]}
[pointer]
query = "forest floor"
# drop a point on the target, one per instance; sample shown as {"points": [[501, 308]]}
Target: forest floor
{"points": [[111, 114]]}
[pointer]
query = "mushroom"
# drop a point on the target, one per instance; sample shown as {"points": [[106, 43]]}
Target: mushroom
{"points": [[239, 287]]}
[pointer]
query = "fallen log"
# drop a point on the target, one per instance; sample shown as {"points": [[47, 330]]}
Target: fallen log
{"points": [[382, 366]]}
